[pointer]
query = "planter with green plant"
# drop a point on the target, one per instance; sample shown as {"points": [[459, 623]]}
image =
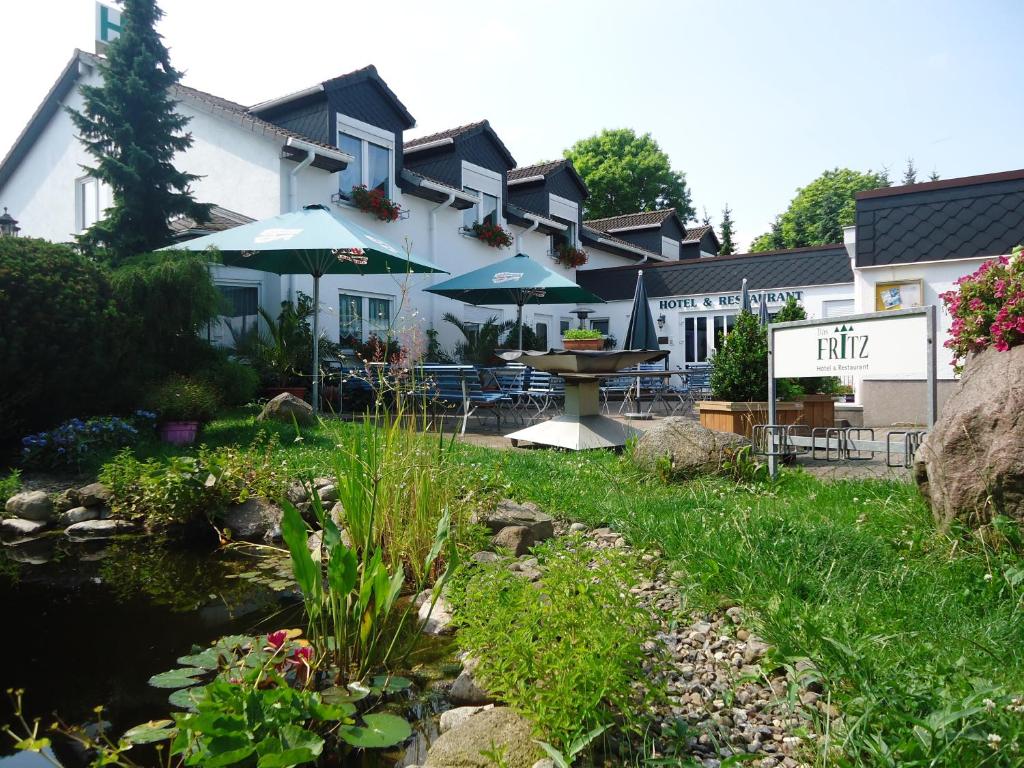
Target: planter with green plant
{"points": [[583, 339], [739, 383], [182, 404]]}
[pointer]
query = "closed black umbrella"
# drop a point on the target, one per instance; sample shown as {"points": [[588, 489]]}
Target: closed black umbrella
{"points": [[641, 334]]}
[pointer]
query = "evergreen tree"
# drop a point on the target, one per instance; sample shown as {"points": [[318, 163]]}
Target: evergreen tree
{"points": [[910, 174], [706, 219], [130, 126], [728, 248], [933, 176]]}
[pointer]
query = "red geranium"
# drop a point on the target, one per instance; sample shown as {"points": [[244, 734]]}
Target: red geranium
{"points": [[492, 234], [374, 201], [570, 257]]}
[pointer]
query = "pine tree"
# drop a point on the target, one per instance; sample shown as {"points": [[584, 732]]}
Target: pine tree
{"points": [[933, 176], [910, 174], [706, 219], [130, 126], [728, 248]]}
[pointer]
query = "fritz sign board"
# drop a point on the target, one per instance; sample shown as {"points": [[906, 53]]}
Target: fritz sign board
{"points": [[879, 347]]}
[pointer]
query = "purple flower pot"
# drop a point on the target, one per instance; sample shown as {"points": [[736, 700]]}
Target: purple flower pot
{"points": [[179, 432]]}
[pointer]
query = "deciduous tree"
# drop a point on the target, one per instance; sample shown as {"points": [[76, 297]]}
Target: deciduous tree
{"points": [[626, 173]]}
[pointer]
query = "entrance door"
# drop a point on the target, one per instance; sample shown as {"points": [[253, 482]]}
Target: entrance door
{"points": [[542, 327]]}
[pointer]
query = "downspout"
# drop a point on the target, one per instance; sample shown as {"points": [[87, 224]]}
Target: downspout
{"points": [[293, 205], [432, 238], [519, 237]]}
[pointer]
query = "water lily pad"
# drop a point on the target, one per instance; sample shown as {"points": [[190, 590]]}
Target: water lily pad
{"points": [[147, 733], [338, 695], [385, 684], [379, 730], [231, 642], [177, 678], [208, 659], [187, 698]]}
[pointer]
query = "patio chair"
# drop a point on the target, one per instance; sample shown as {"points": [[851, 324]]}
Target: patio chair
{"points": [[458, 387], [612, 387], [545, 391], [511, 381]]}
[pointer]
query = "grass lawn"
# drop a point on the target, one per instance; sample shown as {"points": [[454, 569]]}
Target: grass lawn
{"points": [[917, 635]]}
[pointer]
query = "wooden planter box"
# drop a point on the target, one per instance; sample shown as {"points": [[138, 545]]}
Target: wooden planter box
{"points": [[593, 345], [819, 410], [740, 418]]}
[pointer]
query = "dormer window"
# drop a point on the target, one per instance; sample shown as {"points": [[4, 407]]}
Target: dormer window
{"points": [[484, 212], [374, 151]]}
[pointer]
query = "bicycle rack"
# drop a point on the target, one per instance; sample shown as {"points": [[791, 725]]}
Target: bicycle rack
{"points": [[911, 442], [859, 433], [798, 430], [764, 440]]}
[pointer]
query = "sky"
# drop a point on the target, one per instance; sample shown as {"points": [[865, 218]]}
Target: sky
{"points": [[750, 99]]}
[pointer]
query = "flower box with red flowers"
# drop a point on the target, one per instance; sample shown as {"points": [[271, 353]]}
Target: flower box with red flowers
{"points": [[570, 257], [494, 235], [376, 203]]}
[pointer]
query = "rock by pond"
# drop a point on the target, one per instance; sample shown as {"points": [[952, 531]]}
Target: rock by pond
{"points": [[497, 729], [93, 495], [99, 529], [254, 520], [31, 505], [15, 529]]}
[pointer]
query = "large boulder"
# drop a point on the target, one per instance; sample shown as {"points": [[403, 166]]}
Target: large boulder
{"points": [[509, 513], [517, 538], [254, 519], [94, 495], [970, 467], [492, 730], [286, 407], [16, 529], [688, 448], [31, 505], [99, 529]]}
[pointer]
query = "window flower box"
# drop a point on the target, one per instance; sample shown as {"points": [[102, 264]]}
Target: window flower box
{"points": [[376, 203], [570, 256], [494, 235]]}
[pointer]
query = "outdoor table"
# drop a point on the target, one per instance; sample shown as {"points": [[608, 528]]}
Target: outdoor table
{"points": [[632, 395], [581, 426]]}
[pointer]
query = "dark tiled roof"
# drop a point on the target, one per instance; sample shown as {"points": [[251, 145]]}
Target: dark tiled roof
{"points": [[450, 133], [634, 250], [537, 169], [627, 220], [822, 265], [694, 234], [937, 221], [220, 220]]}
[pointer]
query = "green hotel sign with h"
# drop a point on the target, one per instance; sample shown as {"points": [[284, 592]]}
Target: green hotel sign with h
{"points": [[108, 26]]}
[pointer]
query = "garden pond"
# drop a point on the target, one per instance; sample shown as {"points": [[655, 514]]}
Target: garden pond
{"points": [[88, 623]]}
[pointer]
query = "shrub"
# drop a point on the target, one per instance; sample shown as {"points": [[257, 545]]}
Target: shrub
{"points": [[58, 350], [182, 489], [739, 369], [987, 308], [9, 485], [234, 382], [582, 333], [75, 440], [181, 398], [810, 385], [568, 654]]}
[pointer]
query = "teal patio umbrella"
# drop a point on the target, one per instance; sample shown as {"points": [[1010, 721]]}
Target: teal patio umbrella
{"points": [[640, 333], [313, 241], [516, 280]]}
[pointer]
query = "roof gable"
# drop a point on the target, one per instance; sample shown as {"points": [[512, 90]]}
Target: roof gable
{"points": [[539, 172], [459, 134], [639, 220]]}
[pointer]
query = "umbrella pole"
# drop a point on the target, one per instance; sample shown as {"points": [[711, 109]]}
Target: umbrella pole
{"points": [[316, 343], [519, 322]]}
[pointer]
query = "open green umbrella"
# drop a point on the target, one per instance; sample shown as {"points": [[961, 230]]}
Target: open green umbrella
{"points": [[313, 241], [640, 333], [516, 280]]}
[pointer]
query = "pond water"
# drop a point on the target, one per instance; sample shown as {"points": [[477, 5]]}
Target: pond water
{"points": [[86, 624]]}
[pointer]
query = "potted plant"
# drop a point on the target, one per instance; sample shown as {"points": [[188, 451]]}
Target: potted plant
{"points": [[583, 339], [182, 404], [494, 235], [739, 383], [376, 203], [569, 256]]}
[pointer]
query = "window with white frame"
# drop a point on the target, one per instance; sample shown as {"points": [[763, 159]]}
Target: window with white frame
{"points": [[374, 151], [484, 212], [486, 184], [87, 202], [239, 314], [565, 239], [360, 317]]}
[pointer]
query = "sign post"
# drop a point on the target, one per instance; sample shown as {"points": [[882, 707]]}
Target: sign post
{"points": [[886, 345], [108, 26]]}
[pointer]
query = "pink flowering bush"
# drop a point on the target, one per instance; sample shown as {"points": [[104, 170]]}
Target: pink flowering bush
{"points": [[987, 308]]}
